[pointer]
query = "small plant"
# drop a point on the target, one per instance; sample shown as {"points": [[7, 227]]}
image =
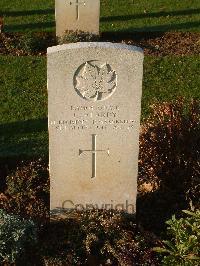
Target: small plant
{"points": [[184, 247], [15, 235], [77, 36]]}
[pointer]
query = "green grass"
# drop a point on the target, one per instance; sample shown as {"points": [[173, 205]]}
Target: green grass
{"points": [[22, 88], [23, 15], [167, 78], [116, 15], [23, 109], [150, 15]]}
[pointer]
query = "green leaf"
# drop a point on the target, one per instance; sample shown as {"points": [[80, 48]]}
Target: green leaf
{"points": [[170, 245], [189, 212], [161, 250]]}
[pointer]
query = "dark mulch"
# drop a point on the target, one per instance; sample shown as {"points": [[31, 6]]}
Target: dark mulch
{"points": [[157, 43], [19, 44], [162, 44]]}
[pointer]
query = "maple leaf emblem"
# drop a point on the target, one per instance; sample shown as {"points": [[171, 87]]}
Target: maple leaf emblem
{"points": [[95, 82]]}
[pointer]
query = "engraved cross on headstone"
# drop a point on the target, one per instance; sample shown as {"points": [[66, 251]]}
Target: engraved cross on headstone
{"points": [[94, 154], [77, 3]]}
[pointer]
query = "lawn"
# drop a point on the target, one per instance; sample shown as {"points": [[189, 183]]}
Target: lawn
{"points": [[23, 109], [116, 15], [23, 112]]}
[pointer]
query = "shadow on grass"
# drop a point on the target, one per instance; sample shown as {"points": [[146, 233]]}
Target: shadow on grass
{"points": [[122, 35], [17, 147], [167, 27], [124, 32], [20, 127], [19, 142], [185, 12], [29, 26], [24, 13], [157, 28]]}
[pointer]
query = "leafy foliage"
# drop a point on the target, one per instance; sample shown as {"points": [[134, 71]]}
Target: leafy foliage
{"points": [[184, 247], [170, 149], [15, 235]]}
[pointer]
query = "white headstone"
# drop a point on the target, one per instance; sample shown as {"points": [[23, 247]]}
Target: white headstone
{"points": [[75, 15], [94, 98]]}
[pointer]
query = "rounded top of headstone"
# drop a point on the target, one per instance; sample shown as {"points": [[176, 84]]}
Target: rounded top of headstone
{"points": [[100, 45]]}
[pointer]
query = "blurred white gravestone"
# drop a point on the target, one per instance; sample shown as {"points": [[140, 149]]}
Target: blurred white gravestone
{"points": [[75, 15], [94, 99]]}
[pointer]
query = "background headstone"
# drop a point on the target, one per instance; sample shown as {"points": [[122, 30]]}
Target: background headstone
{"points": [[94, 98], [77, 15]]}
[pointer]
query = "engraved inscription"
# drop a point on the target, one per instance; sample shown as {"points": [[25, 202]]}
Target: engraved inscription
{"points": [[94, 154], [77, 3], [95, 81], [98, 117]]}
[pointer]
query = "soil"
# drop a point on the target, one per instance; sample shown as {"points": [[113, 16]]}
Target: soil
{"points": [[156, 43], [162, 44]]}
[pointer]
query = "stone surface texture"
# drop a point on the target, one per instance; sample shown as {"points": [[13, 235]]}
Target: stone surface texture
{"points": [[77, 15], [94, 103]]}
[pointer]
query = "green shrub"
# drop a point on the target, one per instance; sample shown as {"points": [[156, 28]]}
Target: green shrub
{"points": [[77, 36], [15, 235], [184, 247]]}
